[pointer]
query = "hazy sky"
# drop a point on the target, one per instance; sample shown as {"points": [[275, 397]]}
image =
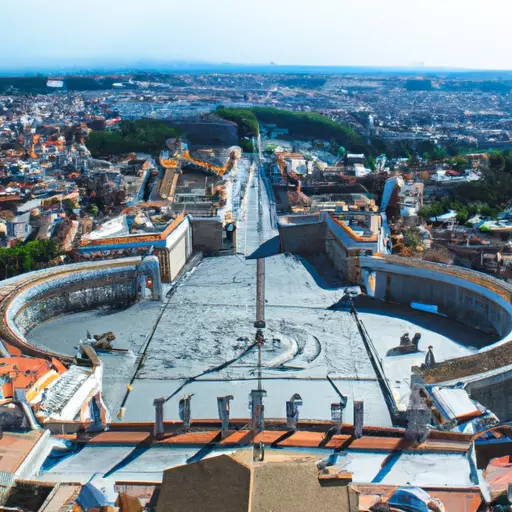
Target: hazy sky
{"points": [[452, 33]]}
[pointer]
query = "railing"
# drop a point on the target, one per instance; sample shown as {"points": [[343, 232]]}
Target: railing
{"points": [[501, 288]]}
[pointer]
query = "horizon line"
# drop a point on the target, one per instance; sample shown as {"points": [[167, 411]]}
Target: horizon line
{"points": [[183, 65]]}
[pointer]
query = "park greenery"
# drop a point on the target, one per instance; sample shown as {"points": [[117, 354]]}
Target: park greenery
{"points": [[142, 135], [311, 125], [246, 122], [298, 124], [487, 197], [26, 257]]}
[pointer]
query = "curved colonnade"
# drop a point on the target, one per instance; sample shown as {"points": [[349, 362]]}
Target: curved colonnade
{"points": [[472, 298], [32, 298]]}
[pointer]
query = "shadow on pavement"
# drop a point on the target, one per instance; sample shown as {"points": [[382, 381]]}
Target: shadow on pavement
{"points": [[268, 248], [322, 271]]}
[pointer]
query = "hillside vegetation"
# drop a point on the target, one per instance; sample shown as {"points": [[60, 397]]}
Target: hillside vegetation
{"points": [[311, 125]]}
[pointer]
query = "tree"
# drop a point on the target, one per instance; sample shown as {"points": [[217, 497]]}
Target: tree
{"points": [[22, 258], [459, 162], [371, 163], [93, 210], [462, 215], [68, 205], [412, 239], [507, 155], [310, 124], [434, 210], [487, 211], [496, 161], [145, 135], [412, 160], [246, 145]]}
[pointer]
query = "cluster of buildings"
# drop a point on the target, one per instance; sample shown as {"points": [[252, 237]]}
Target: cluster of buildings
{"points": [[306, 180], [52, 188], [448, 110]]}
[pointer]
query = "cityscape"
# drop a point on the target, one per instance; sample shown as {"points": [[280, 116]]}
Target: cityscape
{"points": [[255, 288]]}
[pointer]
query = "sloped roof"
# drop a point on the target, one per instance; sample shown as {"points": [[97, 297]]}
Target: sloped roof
{"points": [[223, 483], [15, 447]]}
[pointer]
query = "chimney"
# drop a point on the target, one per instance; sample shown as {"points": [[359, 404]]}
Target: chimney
{"points": [[292, 411], [223, 406], [257, 416], [358, 418], [184, 410], [159, 416], [418, 417], [337, 414]]}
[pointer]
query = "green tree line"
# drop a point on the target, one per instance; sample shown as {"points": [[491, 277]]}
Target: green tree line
{"points": [[298, 124], [142, 135], [22, 258], [310, 124]]}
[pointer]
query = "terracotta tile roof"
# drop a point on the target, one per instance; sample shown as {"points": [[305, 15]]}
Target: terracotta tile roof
{"points": [[454, 499], [458, 501], [498, 475], [311, 436], [191, 438], [338, 441], [23, 371], [366, 501], [398, 443], [269, 436], [305, 439], [151, 204], [376, 443], [448, 446], [134, 238], [14, 448], [238, 437], [119, 438]]}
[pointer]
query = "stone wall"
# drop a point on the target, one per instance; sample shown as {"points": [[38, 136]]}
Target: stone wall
{"points": [[466, 296], [495, 393], [72, 300], [466, 306], [207, 235], [303, 239], [220, 133]]}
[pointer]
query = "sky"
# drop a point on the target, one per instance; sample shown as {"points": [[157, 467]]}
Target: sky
{"points": [[436, 33]]}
